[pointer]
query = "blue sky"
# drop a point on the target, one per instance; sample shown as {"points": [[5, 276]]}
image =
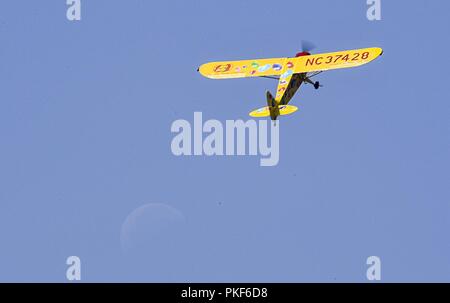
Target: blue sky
{"points": [[85, 115]]}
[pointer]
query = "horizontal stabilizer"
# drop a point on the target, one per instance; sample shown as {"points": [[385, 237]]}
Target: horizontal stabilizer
{"points": [[287, 109], [265, 111]]}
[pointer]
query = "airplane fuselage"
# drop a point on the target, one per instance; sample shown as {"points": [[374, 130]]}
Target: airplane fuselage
{"points": [[292, 88]]}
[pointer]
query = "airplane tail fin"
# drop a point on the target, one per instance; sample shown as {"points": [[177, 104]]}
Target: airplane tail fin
{"points": [[271, 110], [273, 106], [270, 100]]}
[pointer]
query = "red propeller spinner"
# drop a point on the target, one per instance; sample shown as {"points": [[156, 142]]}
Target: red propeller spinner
{"points": [[303, 54]]}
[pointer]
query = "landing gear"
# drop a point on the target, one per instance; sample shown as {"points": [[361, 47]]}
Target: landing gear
{"points": [[307, 79]]}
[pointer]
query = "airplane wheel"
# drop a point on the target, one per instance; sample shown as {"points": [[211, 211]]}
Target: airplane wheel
{"points": [[317, 85]]}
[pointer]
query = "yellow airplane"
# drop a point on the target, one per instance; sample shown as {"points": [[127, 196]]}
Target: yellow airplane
{"points": [[290, 73]]}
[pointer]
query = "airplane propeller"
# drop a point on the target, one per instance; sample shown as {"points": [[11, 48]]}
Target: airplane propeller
{"points": [[307, 46]]}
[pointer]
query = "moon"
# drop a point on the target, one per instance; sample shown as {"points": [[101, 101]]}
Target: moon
{"points": [[154, 229]]}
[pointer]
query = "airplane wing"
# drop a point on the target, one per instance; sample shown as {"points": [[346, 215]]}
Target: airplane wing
{"points": [[243, 68], [336, 60], [279, 66]]}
